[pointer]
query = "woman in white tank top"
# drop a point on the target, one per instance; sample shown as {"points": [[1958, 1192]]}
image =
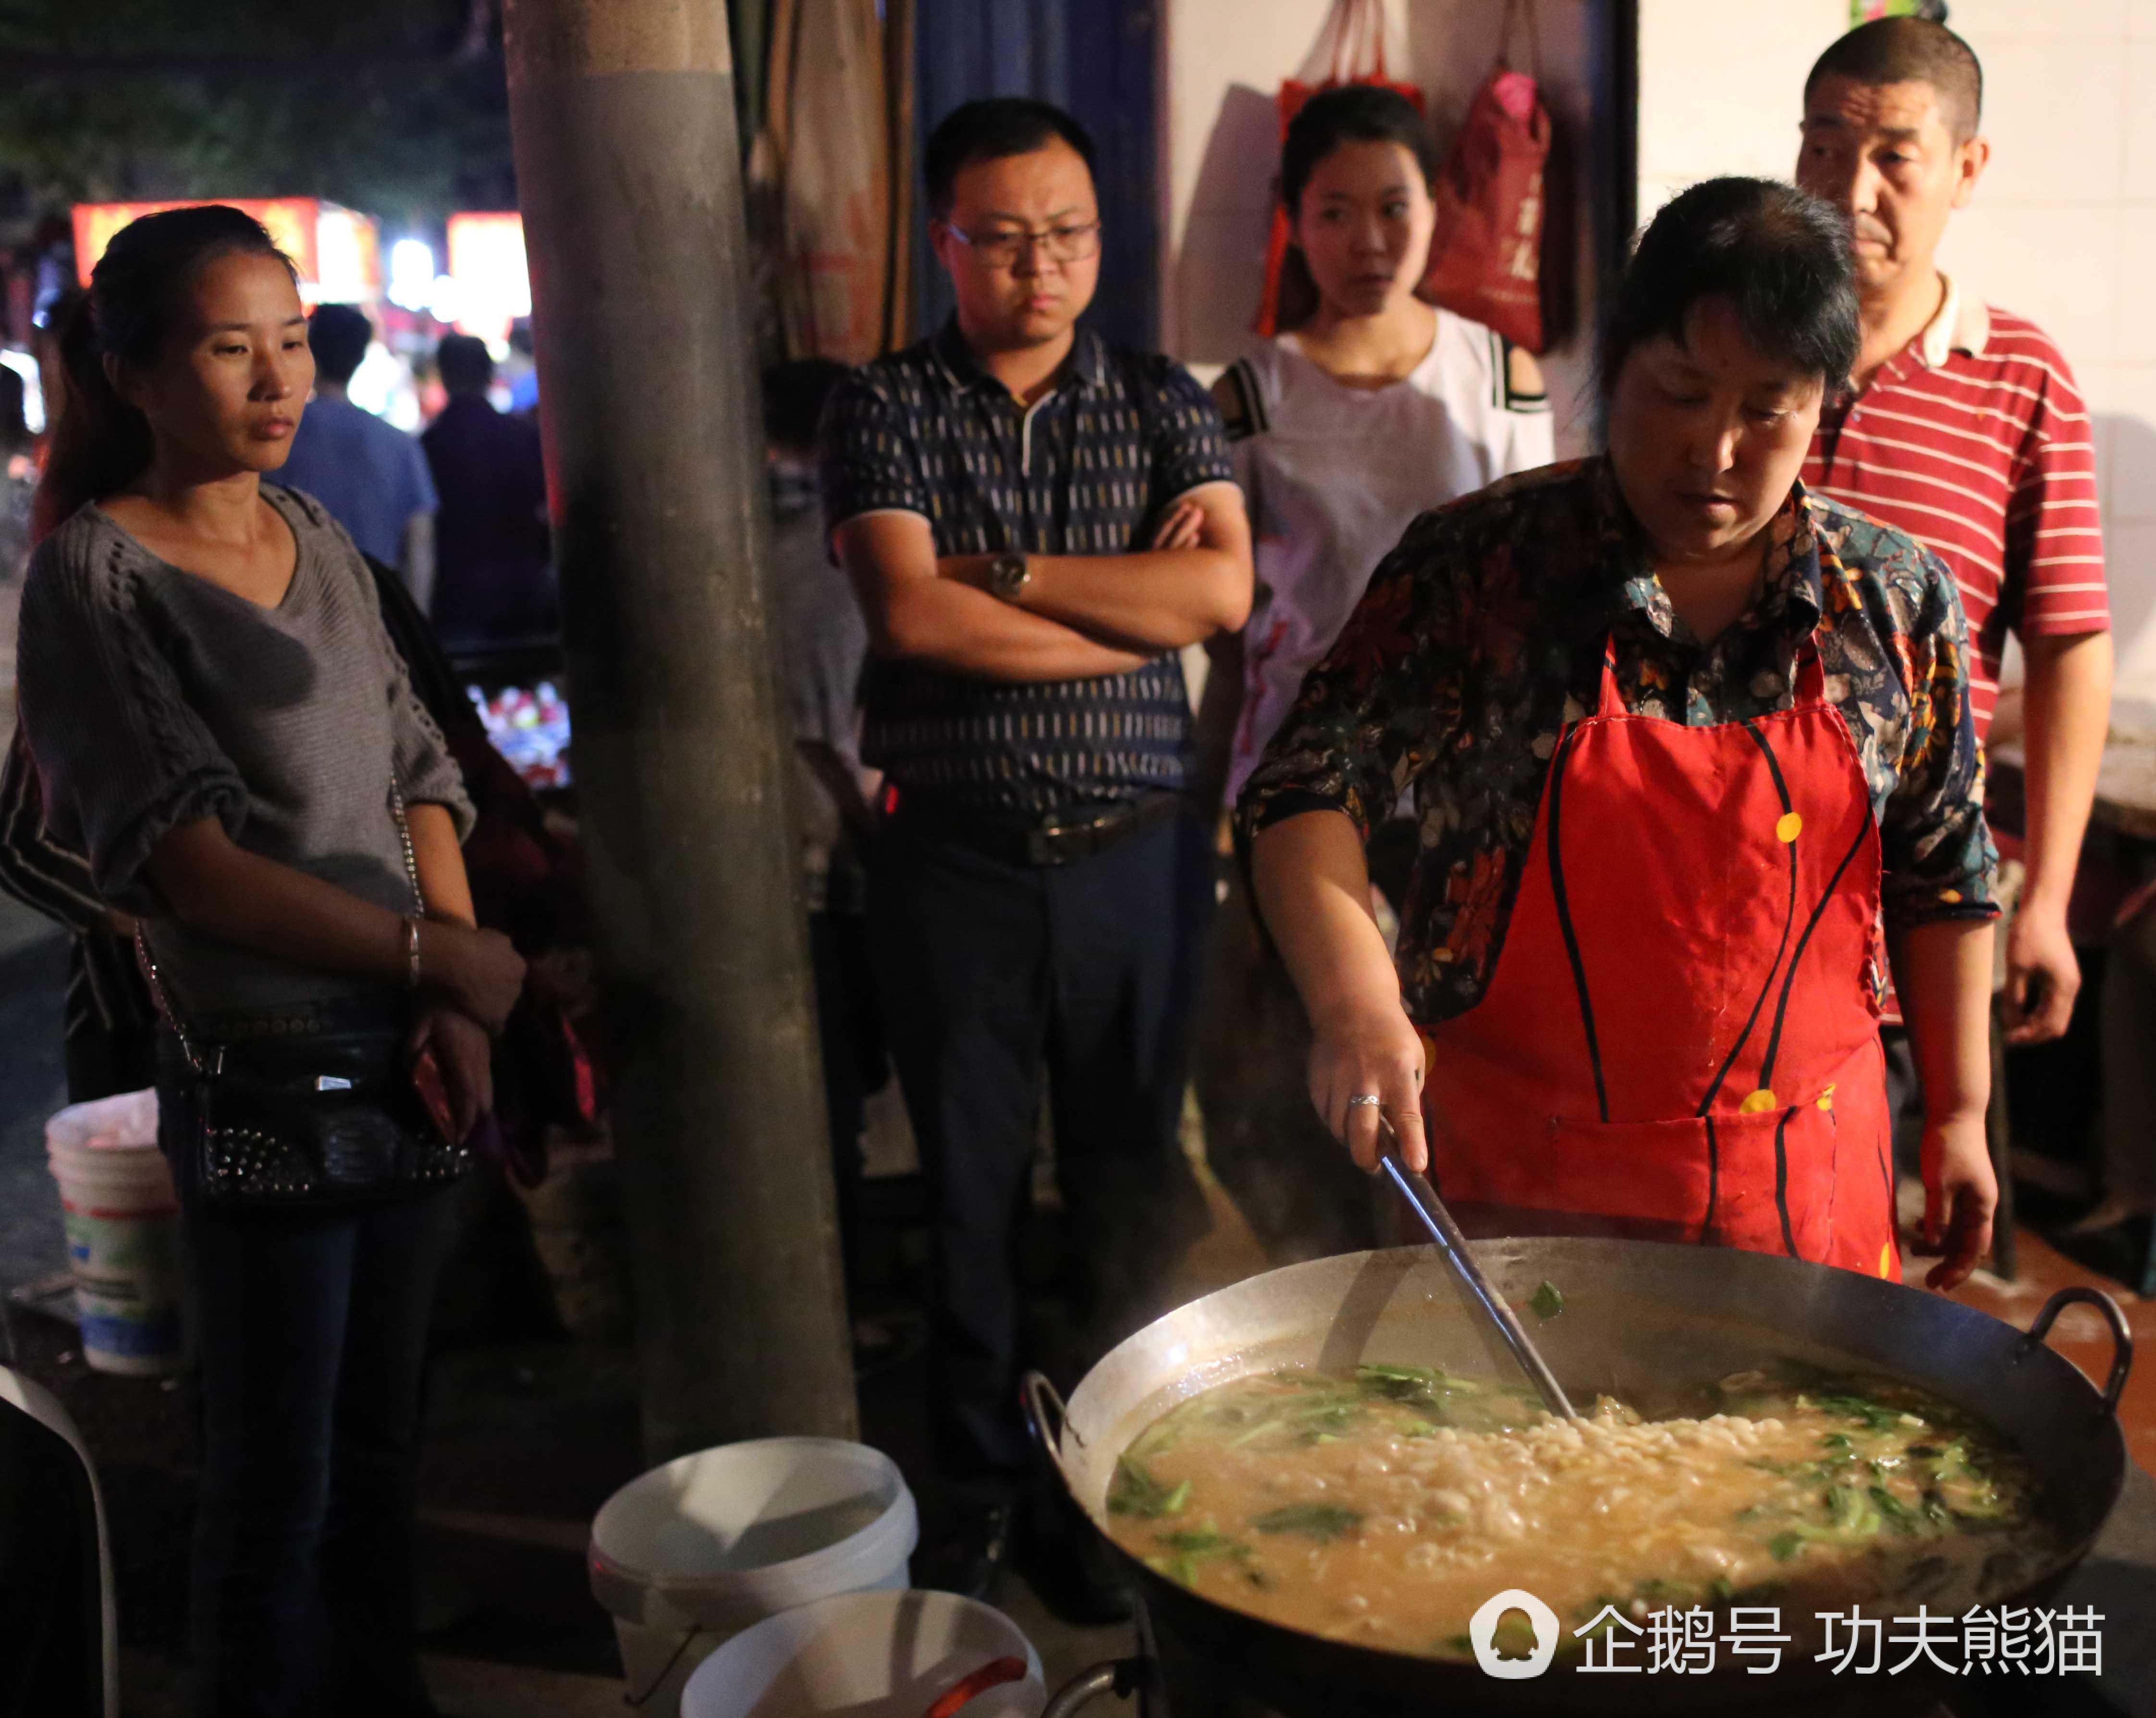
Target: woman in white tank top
{"points": [[1376, 407]]}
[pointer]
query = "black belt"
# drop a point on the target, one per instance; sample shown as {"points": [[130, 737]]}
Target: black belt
{"points": [[330, 1016], [1057, 837]]}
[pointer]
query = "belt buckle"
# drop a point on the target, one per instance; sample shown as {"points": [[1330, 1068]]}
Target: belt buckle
{"points": [[1059, 843], [1044, 844]]}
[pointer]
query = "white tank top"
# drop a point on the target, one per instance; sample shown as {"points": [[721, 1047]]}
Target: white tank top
{"points": [[1334, 475]]}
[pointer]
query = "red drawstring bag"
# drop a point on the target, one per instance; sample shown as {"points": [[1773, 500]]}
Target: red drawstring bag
{"points": [[1486, 258], [1350, 49]]}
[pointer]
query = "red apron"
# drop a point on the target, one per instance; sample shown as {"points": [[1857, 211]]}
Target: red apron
{"points": [[1679, 1040]]}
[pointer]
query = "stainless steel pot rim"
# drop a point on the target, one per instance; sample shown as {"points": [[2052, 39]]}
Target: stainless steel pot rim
{"points": [[1802, 1283]]}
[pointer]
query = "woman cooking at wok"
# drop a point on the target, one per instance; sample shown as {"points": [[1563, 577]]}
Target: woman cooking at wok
{"points": [[1677, 731]]}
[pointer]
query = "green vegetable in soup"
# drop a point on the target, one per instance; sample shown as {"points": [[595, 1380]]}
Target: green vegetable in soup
{"points": [[1445, 1399], [1135, 1492], [1896, 1513], [1183, 1551], [1549, 1301], [1322, 1521], [1850, 1511]]}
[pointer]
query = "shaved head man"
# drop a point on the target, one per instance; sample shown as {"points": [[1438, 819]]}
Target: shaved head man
{"points": [[1964, 427]]}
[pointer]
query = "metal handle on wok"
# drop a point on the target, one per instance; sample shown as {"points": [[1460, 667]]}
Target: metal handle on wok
{"points": [[1419, 1193], [2121, 1337], [1119, 1677], [1040, 1400]]}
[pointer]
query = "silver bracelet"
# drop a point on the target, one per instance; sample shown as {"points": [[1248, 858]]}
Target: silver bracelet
{"points": [[412, 950]]}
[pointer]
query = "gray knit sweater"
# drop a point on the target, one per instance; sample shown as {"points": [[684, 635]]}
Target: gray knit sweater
{"points": [[152, 698]]}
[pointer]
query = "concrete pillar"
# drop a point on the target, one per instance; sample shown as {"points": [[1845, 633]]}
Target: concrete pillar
{"points": [[629, 175]]}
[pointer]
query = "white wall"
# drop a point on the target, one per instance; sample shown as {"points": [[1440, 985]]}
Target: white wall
{"points": [[2063, 229], [1224, 62], [1722, 87]]}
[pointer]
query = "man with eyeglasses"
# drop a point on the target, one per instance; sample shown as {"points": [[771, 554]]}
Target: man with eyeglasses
{"points": [[1035, 522]]}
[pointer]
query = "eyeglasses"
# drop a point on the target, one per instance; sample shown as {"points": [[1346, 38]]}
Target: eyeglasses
{"points": [[1058, 244]]}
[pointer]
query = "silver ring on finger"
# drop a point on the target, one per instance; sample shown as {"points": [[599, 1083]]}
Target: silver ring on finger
{"points": [[1366, 1100]]}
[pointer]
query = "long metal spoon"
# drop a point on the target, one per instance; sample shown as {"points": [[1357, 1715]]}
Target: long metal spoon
{"points": [[1422, 1197]]}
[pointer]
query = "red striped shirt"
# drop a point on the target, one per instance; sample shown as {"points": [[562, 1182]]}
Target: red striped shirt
{"points": [[1973, 439]]}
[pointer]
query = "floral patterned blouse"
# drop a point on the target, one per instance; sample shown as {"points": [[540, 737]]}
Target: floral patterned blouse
{"points": [[1484, 632]]}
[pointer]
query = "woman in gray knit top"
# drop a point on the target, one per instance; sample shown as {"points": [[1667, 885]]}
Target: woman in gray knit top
{"points": [[222, 725]]}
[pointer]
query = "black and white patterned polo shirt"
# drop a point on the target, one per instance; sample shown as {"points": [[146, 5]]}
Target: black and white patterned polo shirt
{"points": [[1090, 469]]}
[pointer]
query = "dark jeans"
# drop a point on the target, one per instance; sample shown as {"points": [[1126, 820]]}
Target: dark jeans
{"points": [[854, 1062], [1298, 1189], [2128, 1021], [312, 1336], [993, 973]]}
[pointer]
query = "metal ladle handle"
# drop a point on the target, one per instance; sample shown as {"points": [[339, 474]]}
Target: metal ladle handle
{"points": [[1422, 1197]]}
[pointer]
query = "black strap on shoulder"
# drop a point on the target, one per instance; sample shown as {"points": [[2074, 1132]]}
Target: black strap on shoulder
{"points": [[1242, 401], [1520, 385]]}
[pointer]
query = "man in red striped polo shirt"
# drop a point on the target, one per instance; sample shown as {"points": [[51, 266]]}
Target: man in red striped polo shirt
{"points": [[1965, 430]]}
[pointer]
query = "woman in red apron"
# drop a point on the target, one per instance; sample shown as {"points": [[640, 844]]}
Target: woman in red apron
{"points": [[1682, 739]]}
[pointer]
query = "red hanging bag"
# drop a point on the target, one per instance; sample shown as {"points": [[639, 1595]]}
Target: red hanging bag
{"points": [[1486, 258], [1350, 49]]}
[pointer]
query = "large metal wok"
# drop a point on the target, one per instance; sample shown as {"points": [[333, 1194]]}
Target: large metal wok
{"points": [[1650, 1323]]}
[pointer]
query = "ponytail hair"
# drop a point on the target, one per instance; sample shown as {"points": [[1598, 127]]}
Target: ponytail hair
{"points": [[99, 444]]}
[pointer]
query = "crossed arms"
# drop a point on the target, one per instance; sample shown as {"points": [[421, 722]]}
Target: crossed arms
{"points": [[1079, 615]]}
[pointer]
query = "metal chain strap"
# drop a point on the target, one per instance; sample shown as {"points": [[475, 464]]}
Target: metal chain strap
{"points": [[404, 838], [171, 1015]]}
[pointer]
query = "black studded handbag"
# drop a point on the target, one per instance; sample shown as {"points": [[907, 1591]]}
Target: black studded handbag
{"points": [[317, 1113]]}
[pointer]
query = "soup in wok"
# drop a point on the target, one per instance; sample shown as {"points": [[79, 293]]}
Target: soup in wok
{"points": [[1384, 1507]]}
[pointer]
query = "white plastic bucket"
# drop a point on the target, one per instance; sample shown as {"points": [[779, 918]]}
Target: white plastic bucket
{"points": [[867, 1655], [123, 1233], [692, 1553]]}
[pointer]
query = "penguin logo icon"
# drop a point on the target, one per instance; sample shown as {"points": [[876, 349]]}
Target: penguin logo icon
{"points": [[1482, 1629]]}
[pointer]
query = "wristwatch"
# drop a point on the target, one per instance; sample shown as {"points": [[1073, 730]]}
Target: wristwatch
{"points": [[1008, 574]]}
